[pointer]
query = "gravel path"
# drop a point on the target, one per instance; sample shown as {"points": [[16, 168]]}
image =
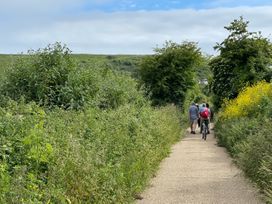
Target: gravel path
{"points": [[199, 171]]}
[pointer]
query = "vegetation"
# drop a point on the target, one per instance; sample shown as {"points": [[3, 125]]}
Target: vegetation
{"points": [[238, 85], [244, 59], [121, 63], [50, 78], [169, 73], [42, 76], [5, 62], [93, 156], [244, 128], [77, 134], [78, 129]]}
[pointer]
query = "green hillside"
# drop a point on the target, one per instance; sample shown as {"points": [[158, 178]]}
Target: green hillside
{"points": [[128, 63]]}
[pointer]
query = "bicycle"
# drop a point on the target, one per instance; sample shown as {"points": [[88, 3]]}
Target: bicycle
{"points": [[205, 130]]}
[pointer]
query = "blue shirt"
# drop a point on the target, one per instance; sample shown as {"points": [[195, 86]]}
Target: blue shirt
{"points": [[193, 111]]}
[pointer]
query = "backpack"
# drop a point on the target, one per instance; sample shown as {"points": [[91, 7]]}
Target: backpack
{"points": [[205, 113]]}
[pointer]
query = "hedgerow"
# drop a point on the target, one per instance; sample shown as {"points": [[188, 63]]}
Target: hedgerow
{"points": [[244, 128], [93, 156], [97, 140]]}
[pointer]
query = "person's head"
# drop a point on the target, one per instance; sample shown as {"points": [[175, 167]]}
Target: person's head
{"points": [[204, 105], [207, 105], [193, 103], [196, 105]]}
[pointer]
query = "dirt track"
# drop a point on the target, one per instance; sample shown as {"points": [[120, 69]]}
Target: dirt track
{"points": [[197, 172]]}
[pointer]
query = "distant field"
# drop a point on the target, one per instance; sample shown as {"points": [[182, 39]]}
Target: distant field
{"points": [[124, 63], [127, 63], [5, 61]]}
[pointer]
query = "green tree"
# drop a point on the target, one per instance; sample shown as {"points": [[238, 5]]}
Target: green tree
{"points": [[244, 58], [169, 73], [204, 75]]}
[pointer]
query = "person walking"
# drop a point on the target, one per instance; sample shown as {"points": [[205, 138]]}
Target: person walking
{"points": [[193, 117], [198, 120]]}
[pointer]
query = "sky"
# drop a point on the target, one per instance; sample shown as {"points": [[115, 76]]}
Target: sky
{"points": [[124, 26]]}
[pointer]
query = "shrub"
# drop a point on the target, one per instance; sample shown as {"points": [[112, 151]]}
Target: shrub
{"points": [[255, 157], [95, 156], [25, 153], [248, 102], [40, 75], [233, 132], [244, 128], [100, 143], [50, 78]]}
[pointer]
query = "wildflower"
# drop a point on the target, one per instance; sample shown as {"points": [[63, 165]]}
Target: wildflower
{"points": [[247, 101]]}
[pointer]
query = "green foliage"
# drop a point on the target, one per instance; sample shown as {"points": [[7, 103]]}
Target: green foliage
{"points": [[169, 73], [92, 156], [244, 58], [24, 154], [248, 137], [5, 61], [120, 63], [195, 94], [101, 142], [249, 142], [204, 75], [50, 78], [40, 76]]}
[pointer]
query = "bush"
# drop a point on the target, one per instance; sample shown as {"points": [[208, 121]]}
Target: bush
{"points": [[100, 143], [50, 78], [250, 102], [255, 156], [101, 146], [233, 132], [25, 152], [244, 128], [95, 156], [40, 76]]}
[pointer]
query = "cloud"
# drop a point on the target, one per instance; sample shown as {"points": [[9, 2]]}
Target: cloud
{"points": [[136, 32], [33, 6]]}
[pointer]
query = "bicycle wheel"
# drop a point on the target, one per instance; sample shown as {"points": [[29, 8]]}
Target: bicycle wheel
{"points": [[203, 131]]}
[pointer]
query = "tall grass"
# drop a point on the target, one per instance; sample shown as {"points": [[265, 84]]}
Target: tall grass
{"points": [[244, 128], [93, 156]]}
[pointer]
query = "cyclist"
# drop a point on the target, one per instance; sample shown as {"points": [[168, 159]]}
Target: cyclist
{"points": [[204, 113]]}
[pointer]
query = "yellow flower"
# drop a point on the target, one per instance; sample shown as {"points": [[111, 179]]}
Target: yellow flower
{"points": [[246, 101]]}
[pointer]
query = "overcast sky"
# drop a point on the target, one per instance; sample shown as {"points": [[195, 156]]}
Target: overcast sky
{"points": [[124, 26]]}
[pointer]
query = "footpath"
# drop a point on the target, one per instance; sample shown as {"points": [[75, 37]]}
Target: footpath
{"points": [[199, 172]]}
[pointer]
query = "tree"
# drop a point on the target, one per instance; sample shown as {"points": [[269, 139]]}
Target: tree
{"points": [[244, 58], [169, 73]]}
